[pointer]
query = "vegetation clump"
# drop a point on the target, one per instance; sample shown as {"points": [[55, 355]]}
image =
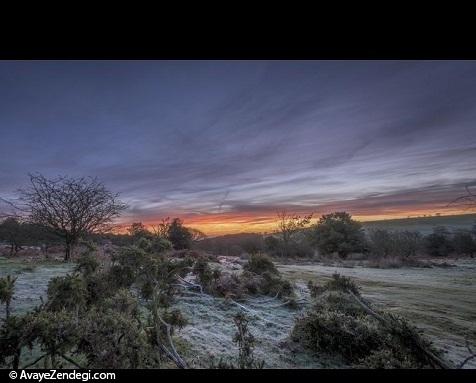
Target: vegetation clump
{"points": [[260, 264], [246, 344], [343, 324]]}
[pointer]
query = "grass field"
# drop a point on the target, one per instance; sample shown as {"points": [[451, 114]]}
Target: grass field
{"points": [[424, 225]]}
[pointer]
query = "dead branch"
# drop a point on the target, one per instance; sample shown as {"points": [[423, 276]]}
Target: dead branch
{"points": [[432, 358]]}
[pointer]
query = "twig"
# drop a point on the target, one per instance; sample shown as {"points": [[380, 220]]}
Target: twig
{"points": [[71, 361], [34, 362]]}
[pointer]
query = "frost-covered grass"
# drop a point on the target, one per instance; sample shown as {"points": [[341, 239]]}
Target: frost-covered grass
{"points": [[211, 329], [441, 301], [32, 281]]}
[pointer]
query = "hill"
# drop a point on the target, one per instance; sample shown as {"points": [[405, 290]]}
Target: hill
{"points": [[424, 225]]}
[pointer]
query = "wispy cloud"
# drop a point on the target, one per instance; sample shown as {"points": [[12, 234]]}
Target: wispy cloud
{"points": [[217, 139]]}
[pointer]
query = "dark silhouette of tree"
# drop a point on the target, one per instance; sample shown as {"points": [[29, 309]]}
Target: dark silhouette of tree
{"points": [[138, 230], [70, 207], [339, 233], [439, 243], [288, 226], [13, 232], [468, 201], [179, 235]]}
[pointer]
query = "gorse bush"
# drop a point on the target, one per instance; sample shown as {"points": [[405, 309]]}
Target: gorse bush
{"points": [[92, 317], [259, 264], [341, 324]]}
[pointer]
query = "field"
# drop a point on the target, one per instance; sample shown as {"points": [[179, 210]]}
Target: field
{"points": [[424, 225], [439, 300]]}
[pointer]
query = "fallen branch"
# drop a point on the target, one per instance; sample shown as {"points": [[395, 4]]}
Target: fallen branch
{"points": [[432, 358], [196, 285], [472, 356], [71, 361], [34, 362]]}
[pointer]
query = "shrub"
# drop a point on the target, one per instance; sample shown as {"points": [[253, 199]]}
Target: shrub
{"points": [[339, 325], [68, 292], [87, 264], [336, 283], [259, 264], [7, 288], [246, 344]]}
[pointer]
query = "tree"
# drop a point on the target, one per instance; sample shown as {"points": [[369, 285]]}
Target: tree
{"points": [[464, 243], [11, 230], [179, 235], [288, 226], [137, 230], [162, 229], [70, 207], [339, 233], [468, 200], [439, 243], [382, 242], [408, 243]]}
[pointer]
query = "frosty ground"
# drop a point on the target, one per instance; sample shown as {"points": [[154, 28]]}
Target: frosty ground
{"points": [[439, 300]]}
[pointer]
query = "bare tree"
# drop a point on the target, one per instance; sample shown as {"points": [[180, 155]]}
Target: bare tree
{"points": [[162, 229], [70, 207], [468, 200], [289, 225]]}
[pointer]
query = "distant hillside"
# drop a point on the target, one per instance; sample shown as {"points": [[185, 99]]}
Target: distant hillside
{"points": [[424, 224]]}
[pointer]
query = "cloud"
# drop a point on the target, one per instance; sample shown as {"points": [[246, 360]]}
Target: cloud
{"points": [[203, 138]]}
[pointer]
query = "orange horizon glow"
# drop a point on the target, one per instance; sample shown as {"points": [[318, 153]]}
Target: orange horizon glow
{"points": [[229, 223]]}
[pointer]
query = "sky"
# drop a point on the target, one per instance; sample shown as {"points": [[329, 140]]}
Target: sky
{"points": [[224, 145]]}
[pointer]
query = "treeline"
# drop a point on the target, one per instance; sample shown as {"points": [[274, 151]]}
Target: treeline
{"points": [[338, 234], [170, 234]]}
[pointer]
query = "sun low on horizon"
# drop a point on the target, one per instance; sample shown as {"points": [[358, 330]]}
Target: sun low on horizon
{"points": [[225, 145]]}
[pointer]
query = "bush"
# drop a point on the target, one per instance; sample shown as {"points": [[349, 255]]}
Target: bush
{"points": [[336, 283], [87, 264], [339, 233], [259, 264], [339, 325], [68, 292]]}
